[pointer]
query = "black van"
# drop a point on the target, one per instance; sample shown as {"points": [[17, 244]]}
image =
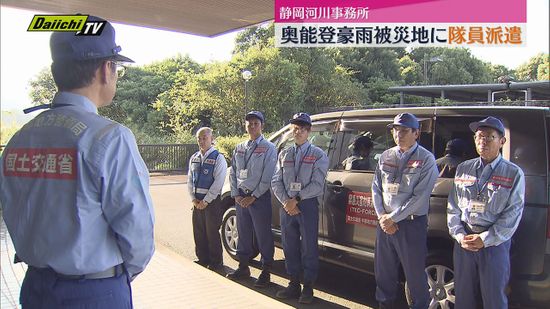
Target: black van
{"points": [[347, 224]]}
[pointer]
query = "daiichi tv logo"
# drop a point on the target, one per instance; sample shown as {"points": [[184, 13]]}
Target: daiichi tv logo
{"points": [[66, 23]]}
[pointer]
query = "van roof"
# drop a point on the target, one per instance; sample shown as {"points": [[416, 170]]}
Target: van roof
{"points": [[506, 88], [423, 110]]}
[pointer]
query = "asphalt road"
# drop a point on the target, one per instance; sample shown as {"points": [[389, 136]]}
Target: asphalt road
{"points": [[336, 287]]}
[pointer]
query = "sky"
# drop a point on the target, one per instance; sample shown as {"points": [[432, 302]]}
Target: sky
{"points": [[23, 54]]}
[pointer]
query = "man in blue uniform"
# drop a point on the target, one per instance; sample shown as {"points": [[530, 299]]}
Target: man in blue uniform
{"points": [[403, 181], [483, 212], [74, 188], [207, 169], [252, 168], [298, 182]]}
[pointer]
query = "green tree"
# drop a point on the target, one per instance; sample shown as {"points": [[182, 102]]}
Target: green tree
{"points": [[367, 63], [447, 66], [259, 36], [411, 71], [136, 103], [42, 87], [216, 97], [327, 84], [535, 68], [499, 71]]}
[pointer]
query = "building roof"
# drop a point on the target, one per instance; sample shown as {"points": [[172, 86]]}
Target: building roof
{"points": [[537, 90], [203, 17]]}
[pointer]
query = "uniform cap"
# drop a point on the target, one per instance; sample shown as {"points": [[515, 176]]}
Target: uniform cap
{"points": [[489, 122], [68, 46], [407, 120], [301, 118], [255, 114]]}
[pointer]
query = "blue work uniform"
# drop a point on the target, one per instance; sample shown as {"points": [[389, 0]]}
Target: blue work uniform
{"points": [[75, 199], [402, 185], [307, 166], [205, 181], [253, 165], [486, 200]]}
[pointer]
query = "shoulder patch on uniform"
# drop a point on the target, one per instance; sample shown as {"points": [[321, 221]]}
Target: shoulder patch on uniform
{"points": [[310, 159], [465, 180], [260, 149], [210, 161], [415, 163]]}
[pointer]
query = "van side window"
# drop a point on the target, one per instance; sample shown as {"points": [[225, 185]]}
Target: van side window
{"points": [[357, 134], [453, 143], [363, 143], [321, 136]]}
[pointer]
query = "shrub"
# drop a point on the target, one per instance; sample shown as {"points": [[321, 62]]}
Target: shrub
{"points": [[226, 144]]}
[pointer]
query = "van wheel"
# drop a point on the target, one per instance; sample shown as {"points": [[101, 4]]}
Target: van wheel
{"points": [[230, 235], [441, 282]]}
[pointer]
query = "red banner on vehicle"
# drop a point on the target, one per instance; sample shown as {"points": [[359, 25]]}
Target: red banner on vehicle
{"points": [[360, 209]]}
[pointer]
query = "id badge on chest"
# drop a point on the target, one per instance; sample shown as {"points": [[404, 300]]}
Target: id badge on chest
{"points": [[477, 206], [295, 186], [392, 188], [243, 174]]}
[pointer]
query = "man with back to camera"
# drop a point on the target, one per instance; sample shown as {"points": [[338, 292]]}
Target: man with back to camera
{"points": [[403, 181], [74, 188], [297, 183], [483, 212], [207, 170], [454, 155], [252, 168], [359, 159]]}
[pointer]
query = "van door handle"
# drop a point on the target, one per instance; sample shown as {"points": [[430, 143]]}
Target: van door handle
{"points": [[336, 186]]}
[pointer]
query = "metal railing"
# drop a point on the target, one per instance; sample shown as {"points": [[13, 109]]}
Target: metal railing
{"points": [[164, 157], [168, 157]]}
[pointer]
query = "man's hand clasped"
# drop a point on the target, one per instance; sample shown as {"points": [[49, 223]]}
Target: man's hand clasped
{"points": [[199, 204], [472, 242], [291, 207], [387, 224], [245, 202]]}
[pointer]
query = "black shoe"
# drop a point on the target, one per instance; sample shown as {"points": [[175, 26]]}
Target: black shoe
{"points": [[240, 273], [263, 280], [307, 295], [291, 291], [215, 267], [201, 263]]}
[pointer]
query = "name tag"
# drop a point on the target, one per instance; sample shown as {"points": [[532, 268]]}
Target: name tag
{"points": [[392, 188], [295, 186], [477, 206], [243, 174]]}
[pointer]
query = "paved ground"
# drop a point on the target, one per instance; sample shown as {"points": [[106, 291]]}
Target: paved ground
{"points": [[172, 280], [169, 281]]}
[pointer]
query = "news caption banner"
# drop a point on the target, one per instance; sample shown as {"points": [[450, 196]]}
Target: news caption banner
{"points": [[400, 23]]}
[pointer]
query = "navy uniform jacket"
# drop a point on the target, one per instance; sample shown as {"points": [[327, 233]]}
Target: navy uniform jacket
{"points": [[75, 192], [502, 185], [258, 157], [306, 164], [415, 172]]}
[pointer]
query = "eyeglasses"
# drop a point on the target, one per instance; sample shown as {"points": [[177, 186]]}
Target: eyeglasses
{"points": [[120, 68], [480, 137], [297, 128], [401, 129]]}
